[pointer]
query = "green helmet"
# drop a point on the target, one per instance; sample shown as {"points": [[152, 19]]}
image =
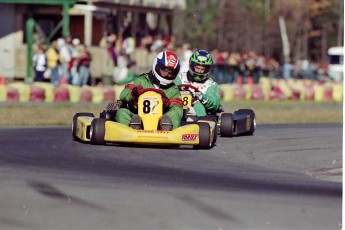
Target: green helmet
{"points": [[200, 64]]}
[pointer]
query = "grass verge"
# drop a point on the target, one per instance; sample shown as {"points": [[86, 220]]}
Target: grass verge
{"points": [[267, 112]]}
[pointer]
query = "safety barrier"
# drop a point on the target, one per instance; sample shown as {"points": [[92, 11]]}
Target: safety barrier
{"points": [[267, 89]]}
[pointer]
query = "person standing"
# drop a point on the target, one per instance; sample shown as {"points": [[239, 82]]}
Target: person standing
{"points": [[53, 58], [83, 66], [65, 58], [40, 64]]}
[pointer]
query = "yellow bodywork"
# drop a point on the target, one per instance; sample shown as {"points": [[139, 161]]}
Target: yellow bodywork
{"points": [[83, 128], [119, 133], [185, 135], [150, 111], [186, 98]]}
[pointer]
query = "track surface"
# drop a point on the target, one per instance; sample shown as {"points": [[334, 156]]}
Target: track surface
{"points": [[50, 182]]}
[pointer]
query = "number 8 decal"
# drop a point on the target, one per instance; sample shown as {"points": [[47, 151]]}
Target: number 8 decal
{"points": [[146, 106], [185, 101]]}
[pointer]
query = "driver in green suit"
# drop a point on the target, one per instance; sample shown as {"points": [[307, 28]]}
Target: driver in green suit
{"points": [[207, 100], [166, 67]]}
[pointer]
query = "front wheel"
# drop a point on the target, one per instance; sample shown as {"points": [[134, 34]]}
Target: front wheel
{"points": [[97, 131], [204, 136], [211, 118]]}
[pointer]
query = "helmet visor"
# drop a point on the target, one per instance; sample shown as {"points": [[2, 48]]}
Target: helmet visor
{"points": [[200, 69], [166, 72]]}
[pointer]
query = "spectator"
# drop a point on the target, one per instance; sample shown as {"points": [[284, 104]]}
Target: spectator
{"points": [[158, 44], [122, 73], [53, 58], [65, 58], [40, 64], [185, 54], [111, 46], [70, 47], [83, 67], [74, 49], [234, 59], [287, 70], [128, 45]]}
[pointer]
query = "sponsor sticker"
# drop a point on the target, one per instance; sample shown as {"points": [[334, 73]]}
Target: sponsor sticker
{"points": [[145, 131], [153, 131], [171, 60], [248, 122], [189, 137]]}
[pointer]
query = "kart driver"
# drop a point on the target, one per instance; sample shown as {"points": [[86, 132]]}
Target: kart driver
{"points": [[198, 75], [166, 67]]}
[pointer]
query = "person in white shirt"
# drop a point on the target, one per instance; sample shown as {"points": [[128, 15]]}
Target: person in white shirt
{"points": [[40, 64], [66, 57]]}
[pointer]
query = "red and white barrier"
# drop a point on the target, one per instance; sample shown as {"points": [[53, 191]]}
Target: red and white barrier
{"points": [[267, 89]]}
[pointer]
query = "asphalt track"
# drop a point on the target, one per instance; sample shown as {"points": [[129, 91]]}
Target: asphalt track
{"points": [[280, 178]]}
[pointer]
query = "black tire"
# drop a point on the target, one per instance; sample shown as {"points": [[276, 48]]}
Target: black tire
{"points": [[227, 125], [215, 135], [74, 122], [204, 136], [252, 118], [97, 131], [215, 131]]}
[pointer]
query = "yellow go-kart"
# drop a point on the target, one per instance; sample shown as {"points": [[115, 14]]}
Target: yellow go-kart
{"points": [[99, 131], [240, 123]]}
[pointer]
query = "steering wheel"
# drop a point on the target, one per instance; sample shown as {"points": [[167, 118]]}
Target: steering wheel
{"points": [[188, 86], [164, 96], [161, 92]]}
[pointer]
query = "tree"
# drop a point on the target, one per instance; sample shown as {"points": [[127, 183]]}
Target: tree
{"points": [[237, 25], [196, 24]]}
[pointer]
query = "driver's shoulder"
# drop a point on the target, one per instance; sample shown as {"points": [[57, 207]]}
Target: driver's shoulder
{"points": [[141, 79], [211, 83]]}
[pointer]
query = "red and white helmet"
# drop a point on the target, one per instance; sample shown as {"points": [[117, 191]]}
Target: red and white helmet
{"points": [[166, 61]]}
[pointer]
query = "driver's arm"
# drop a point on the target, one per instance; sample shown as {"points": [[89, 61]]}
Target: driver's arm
{"points": [[212, 97], [126, 95], [175, 111]]}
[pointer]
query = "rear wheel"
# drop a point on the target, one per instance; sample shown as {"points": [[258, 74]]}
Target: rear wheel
{"points": [[227, 125], [204, 136], [74, 123], [97, 131]]}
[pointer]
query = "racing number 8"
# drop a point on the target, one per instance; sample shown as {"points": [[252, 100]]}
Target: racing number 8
{"points": [[146, 106], [185, 101]]}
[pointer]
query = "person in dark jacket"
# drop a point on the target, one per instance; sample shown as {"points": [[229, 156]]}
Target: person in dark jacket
{"points": [[83, 66]]}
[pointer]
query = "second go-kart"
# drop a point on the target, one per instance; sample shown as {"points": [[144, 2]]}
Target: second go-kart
{"points": [[240, 123], [102, 130]]}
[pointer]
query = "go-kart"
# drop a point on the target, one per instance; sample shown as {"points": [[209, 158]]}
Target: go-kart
{"points": [[102, 130], [240, 123]]}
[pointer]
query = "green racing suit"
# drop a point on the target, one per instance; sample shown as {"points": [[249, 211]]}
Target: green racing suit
{"points": [[210, 91], [174, 112]]}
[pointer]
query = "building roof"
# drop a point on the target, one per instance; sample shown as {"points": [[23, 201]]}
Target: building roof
{"points": [[46, 2], [165, 4]]}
